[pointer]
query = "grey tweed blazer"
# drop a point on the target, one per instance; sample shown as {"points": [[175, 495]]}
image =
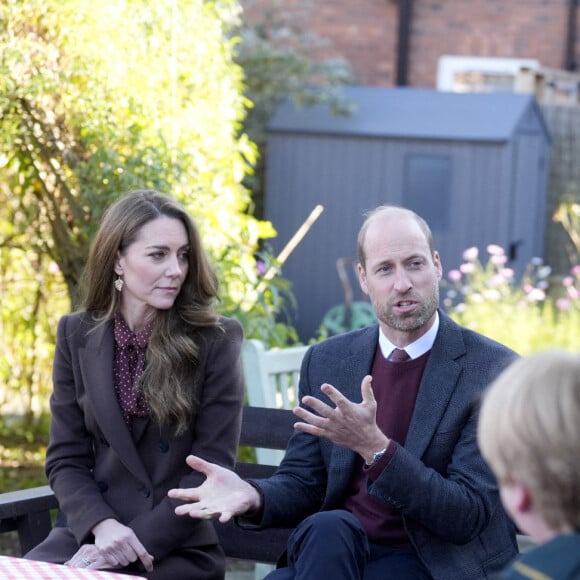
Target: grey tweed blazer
{"points": [[439, 482]]}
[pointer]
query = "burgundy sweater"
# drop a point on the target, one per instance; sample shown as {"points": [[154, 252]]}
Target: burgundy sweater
{"points": [[395, 386]]}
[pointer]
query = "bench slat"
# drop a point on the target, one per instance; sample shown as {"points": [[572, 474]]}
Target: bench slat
{"points": [[271, 429], [21, 502]]}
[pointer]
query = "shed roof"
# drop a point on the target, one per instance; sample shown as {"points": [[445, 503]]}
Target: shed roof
{"points": [[414, 113]]}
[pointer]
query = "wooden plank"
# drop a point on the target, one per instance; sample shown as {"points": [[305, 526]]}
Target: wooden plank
{"points": [[269, 428], [23, 501]]}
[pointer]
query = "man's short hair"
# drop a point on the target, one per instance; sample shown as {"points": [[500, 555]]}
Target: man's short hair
{"points": [[370, 215]]}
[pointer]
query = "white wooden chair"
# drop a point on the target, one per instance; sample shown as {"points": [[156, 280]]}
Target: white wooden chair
{"points": [[271, 381], [271, 377]]}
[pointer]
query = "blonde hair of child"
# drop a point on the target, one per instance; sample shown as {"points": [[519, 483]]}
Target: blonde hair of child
{"points": [[529, 429]]}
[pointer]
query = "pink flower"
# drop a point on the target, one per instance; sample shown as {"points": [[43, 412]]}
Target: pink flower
{"points": [[467, 268], [563, 304], [568, 281], [575, 271], [470, 255], [507, 273], [495, 250], [498, 259], [454, 275], [53, 268], [573, 293]]}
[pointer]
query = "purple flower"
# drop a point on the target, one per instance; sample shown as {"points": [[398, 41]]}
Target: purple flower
{"points": [[261, 267]]}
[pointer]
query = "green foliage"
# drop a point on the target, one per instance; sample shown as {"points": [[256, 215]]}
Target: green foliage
{"points": [[105, 97], [528, 315], [260, 304], [22, 452], [33, 296], [97, 98]]}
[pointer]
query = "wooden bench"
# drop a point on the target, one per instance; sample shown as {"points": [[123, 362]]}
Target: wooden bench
{"points": [[28, 511]]}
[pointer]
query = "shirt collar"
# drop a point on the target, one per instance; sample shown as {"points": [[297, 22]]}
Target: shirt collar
{"points": [[415, 349]]}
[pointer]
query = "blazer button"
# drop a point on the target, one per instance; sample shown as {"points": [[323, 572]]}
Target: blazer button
{"points": [[163, 446], [103, 486], [145, 491]]}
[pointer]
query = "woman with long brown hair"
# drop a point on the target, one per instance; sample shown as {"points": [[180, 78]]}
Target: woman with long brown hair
{"points": [[146, 374]]}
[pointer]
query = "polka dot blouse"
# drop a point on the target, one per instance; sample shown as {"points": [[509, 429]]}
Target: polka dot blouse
{"points": [[128, 366]]}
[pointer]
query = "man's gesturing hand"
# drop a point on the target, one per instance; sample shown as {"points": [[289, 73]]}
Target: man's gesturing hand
{"points": [[348, 424], [223, 494]]}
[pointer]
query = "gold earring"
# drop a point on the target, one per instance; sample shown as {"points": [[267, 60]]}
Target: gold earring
{"points": [[118, 283]]}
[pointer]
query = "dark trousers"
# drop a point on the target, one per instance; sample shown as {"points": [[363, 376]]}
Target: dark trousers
{"points": [[333, 545]]}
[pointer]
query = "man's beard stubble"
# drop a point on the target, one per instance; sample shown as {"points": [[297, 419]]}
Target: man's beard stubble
{"points": [[413, 321]]}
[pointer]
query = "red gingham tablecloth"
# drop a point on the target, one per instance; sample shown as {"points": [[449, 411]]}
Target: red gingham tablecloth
{"points": [[20, 569]]}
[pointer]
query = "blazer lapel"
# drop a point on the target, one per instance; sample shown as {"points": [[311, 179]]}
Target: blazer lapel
{"points": [[356, 363], [96, 362], [437, 385]]}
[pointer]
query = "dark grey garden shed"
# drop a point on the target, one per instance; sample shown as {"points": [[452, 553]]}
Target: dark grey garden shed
{"points": [[475, 166]]}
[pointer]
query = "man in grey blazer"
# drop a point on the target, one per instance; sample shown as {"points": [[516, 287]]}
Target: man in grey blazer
{"points": [[383, 477]]}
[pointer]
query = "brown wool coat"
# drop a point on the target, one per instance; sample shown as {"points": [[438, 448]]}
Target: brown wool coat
{"points": [[98, 469]]}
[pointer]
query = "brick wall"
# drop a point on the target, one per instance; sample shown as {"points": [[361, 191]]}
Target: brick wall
{"points": [[365, 32]]}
